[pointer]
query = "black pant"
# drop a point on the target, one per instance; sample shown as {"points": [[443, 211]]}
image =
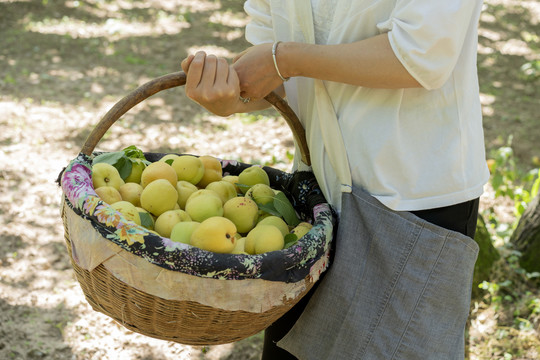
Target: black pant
{"points": [[460, 217]]}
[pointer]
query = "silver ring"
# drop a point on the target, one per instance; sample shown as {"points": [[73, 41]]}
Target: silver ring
{"points": [[245, 100]]}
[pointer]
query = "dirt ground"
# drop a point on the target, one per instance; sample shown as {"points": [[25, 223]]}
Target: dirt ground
{"points": [[65, 63]]}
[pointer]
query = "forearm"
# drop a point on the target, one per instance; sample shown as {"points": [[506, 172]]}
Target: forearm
{"points": [[368, 63]]}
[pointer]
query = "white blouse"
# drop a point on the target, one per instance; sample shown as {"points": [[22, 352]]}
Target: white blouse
{"points": [[323, 13], [410, 148]]}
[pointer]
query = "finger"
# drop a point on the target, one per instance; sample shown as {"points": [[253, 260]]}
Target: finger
{"points": [[193, 77], [222, 71], [233, 81], [186, 63], [209, 73], [229, 90]]}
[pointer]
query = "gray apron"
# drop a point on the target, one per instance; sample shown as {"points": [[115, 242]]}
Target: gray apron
{"points": [[399, 288]]}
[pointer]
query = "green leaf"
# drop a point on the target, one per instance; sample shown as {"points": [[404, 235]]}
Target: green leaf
{"points": [[124, 166], [290, 240], [169, 161], [536, 186], [519, 208], [146, 220], [134, 152], [285, 208], [109, 158], [497, 180], [269, 208], [118, 159], [243, 187]]}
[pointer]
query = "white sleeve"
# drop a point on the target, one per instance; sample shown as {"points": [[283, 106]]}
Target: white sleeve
{"points": [[427, 36], [259, 30]]}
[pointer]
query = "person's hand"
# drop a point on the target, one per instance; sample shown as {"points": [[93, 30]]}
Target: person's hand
{"points": [[256, 71], [212, 83]]}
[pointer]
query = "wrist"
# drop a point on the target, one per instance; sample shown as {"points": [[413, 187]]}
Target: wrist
{"points": [[289, 56], [284, 59]]}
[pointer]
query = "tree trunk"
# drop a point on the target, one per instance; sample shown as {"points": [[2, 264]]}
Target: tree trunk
{"points": [[526, 236]]}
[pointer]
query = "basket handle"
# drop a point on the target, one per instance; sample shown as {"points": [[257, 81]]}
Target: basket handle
{"points": [[178, 79]]}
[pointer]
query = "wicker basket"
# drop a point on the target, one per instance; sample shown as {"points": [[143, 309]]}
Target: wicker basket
{"points": [[188, 308]]}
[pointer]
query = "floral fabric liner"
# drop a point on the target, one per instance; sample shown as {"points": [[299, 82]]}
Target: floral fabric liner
{"points": [[288, 265]]}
